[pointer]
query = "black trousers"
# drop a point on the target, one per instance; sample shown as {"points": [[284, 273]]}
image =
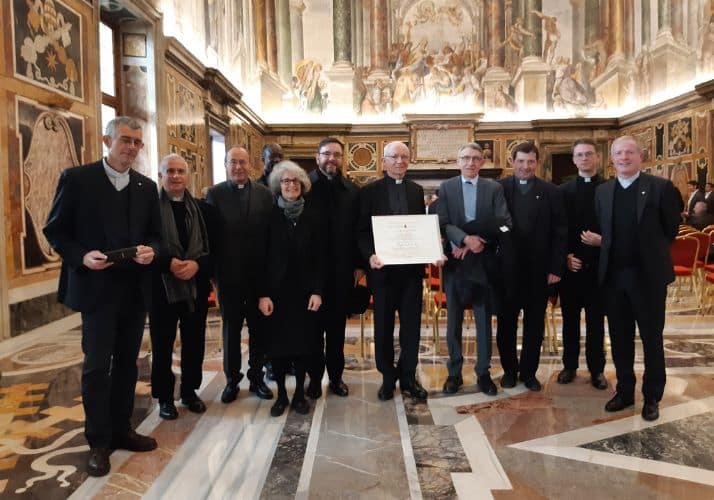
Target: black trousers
{"points": [[280, 369], [531, 297], [629, 301], [111, 338], [331, 353], [398, 292], [580, 291], [164, 317], [235, 309]]}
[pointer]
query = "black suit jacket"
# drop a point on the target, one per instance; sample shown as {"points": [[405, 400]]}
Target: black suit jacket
{"points": [[240, 239], [657, 225], [374, 200], [550, 237], [577, 217], [78, 222], [698, 196]]}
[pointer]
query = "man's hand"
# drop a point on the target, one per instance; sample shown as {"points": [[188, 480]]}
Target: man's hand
{"points": [[553, 279], [441, 261], [186, 269], [358, 275], [474, 243], [96, 260], [574, 264], [591, 239], [265, 305], [459, 252], [375, 262], [314, 303], [144, 255]]}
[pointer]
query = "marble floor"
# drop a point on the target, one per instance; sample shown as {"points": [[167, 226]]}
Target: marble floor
{"points": [[558, 443]]}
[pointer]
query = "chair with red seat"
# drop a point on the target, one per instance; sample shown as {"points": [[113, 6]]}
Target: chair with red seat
{"points": [[684, 251]]}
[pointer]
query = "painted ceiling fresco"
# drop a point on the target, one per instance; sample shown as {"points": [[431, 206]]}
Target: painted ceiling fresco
{"points": [[374, 60]]}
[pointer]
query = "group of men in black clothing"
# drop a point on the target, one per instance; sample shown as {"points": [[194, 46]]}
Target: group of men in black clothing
{"points": [[174, 245]]}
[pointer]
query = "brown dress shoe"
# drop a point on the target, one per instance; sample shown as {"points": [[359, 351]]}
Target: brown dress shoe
{"points": [[98, 462]]}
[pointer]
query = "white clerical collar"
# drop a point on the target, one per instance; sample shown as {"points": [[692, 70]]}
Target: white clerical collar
{"points": [[120, 180], [626, 181], [471, 181], [398, 181], [587, 178], [523, 181], [176, 198]]}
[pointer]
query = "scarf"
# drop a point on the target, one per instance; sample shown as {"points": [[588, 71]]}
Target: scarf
{"points": [[182, 290], [292, 209]]}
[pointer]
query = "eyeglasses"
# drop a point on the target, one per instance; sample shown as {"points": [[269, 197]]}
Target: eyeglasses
{"points": [[404, 158], [289, 181], [328, 154], [586, 154], [469, 159], [130, 141]]}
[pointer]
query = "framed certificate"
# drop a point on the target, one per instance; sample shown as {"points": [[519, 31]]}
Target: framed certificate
{"points": [[407, 239]]}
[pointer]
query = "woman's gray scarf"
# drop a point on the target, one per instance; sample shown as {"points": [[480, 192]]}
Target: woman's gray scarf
{"points": [[291, 209], [182, 290]]}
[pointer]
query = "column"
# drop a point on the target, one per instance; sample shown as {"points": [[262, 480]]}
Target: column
{"points": [[357, 46], [271, 45], [629, 27], [379, 47], [342, 31], [673, 63], [663, 15], [341, 75], [616, 39], [496, 79], [260, 33], [533, 46], [285, 51], [646, 25], [297, 41], [495, 31], [677, 20], [578, 28]]}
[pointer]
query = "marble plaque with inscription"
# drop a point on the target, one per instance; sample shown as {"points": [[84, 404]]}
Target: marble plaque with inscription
{"points": [[440, 144]]}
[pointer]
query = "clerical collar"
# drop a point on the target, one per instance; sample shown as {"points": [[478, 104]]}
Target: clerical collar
{"points": [[239, 186], [585, 178], [395, 181], [470, 181], [176, 198], [625, 182], [120, 180], [328, 176], [523, 182]]}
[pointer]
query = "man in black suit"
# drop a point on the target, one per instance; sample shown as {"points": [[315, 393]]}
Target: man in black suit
{"points": [[395, 288], [695, 195], [337, 199], [100, 207], [709, 197], [539, 236], [638, 219], [242, 210], [182, 270], [579, 288]]}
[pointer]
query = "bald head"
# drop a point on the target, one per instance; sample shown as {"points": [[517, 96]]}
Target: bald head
{"points": [[238, 167], [396, 159], [626, 156]]}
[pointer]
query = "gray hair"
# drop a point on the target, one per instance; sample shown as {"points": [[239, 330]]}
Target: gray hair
{"points": [[163, 165], [470, 145], [292, 168], [126, 121], [625, 138]]}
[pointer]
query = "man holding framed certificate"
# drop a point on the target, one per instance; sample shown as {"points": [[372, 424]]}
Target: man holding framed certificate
{"points": [[396, 285]]}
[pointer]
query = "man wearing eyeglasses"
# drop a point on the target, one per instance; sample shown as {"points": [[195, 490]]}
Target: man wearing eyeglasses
{"points": [[243, 208], [579, 288], [100, 207], [464, 199], [336, 198], [395, 288]]}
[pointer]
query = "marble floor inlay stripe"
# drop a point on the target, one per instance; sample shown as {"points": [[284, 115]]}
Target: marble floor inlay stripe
{"points": [[409, 460]]}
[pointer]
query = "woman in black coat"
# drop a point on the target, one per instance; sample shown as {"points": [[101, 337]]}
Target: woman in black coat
{"points": [[291, 293]]}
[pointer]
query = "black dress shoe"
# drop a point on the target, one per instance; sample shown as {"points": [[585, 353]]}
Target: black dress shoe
{"points": [[531, 383], [230, 393], [566, 376], [300, 405], [452, 384], [193, 403], [167, 410], [599, 381], [98, 462], [279, 406], [619, 402], [386, 392], [261, 390], [339, 388], [486, 385], [133, 442], [415, 390], [650, 411], [314, 389], [508, 380]]}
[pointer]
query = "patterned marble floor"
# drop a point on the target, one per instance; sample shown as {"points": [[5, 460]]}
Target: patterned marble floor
{"points": [[558, 443]]}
